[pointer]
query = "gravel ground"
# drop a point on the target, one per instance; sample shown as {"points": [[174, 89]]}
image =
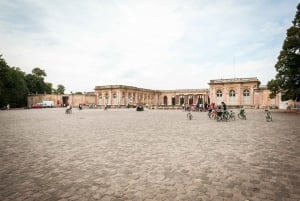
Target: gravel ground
{"points": [[123, 154]]}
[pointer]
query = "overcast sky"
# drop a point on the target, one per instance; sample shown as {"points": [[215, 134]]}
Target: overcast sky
{"points": [[175, 44]]}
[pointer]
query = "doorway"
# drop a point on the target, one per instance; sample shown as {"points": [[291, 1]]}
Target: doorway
{"points": [[65, 100]]}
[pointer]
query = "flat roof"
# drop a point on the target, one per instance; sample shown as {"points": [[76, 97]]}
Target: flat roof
{"points": [[136, 88], [234, 80]]}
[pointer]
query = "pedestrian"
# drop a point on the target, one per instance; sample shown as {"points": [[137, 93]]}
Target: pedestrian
{"points": [[224, 106]]}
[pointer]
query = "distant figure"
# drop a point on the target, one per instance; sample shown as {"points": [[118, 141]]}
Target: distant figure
{"points": [[268, 115], [213, 105], [69, 109], [8, 106]]}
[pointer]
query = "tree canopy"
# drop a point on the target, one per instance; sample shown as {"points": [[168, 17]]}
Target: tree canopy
{"points": [[16, 84], [287, 79], [13, 88], [60, 89]]}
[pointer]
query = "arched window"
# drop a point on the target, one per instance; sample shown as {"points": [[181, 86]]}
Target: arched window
{"points": [[115, 99], [231, 97], [246, 92], [219, 97], [106, 98], [246, 97]]}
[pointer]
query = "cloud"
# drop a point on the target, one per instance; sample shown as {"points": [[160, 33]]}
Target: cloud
{"points": [[148, 44]]}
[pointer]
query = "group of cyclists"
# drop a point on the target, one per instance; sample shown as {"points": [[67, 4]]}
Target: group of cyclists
{"points": [[222, 114]]}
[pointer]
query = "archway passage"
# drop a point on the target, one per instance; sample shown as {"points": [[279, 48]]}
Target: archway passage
{"points": [[190, 100], [65, 100], [165, 100], [173, 101], [181, 100]]}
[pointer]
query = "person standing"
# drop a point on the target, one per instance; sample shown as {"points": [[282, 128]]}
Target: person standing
{"points": [[224, 106]]}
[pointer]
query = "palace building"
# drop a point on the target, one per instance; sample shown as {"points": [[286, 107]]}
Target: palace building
{"points": [[234, 92], [127, 95]]}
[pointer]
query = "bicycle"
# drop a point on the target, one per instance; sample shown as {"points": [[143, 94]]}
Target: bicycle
{"points": [[221, 116], [242, 114], [68, 111], [231, 115]]}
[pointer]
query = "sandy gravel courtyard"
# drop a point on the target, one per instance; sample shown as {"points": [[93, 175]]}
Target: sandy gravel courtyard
{"points": [[123, 154]]}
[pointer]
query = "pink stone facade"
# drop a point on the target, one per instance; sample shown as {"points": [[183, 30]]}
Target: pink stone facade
{"points": [[234, 92]]}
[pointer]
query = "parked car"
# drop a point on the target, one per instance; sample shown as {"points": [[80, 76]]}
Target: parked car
{"points": [[139, 108], [48, 103], [38, 105]]}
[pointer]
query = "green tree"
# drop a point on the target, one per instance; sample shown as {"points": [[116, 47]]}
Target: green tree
{"points": [[13, 87], [287, 79], [35, 82], [60, 89], [48, 88], [4, 69], [38, 72], [17, 88]]}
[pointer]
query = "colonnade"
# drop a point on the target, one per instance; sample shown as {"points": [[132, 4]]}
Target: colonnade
{"points": [[184, 99], [124, 95]]}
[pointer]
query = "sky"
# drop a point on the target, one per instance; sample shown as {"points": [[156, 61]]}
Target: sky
{"points": [[152, 44]]}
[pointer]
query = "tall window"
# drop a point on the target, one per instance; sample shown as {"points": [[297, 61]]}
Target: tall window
{"points": [[99, 99], [231, 97], [219, 97], [106, 98], [246, 97], [115, 101]]}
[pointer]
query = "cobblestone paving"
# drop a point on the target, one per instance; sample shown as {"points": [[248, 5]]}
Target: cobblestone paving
{"points": [[117, 155]]}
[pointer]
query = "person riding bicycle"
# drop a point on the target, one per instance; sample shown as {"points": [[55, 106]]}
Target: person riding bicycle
{"points": [[69, 109], [189, 115], [268, 115], [219, 113], [225, 112]]}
